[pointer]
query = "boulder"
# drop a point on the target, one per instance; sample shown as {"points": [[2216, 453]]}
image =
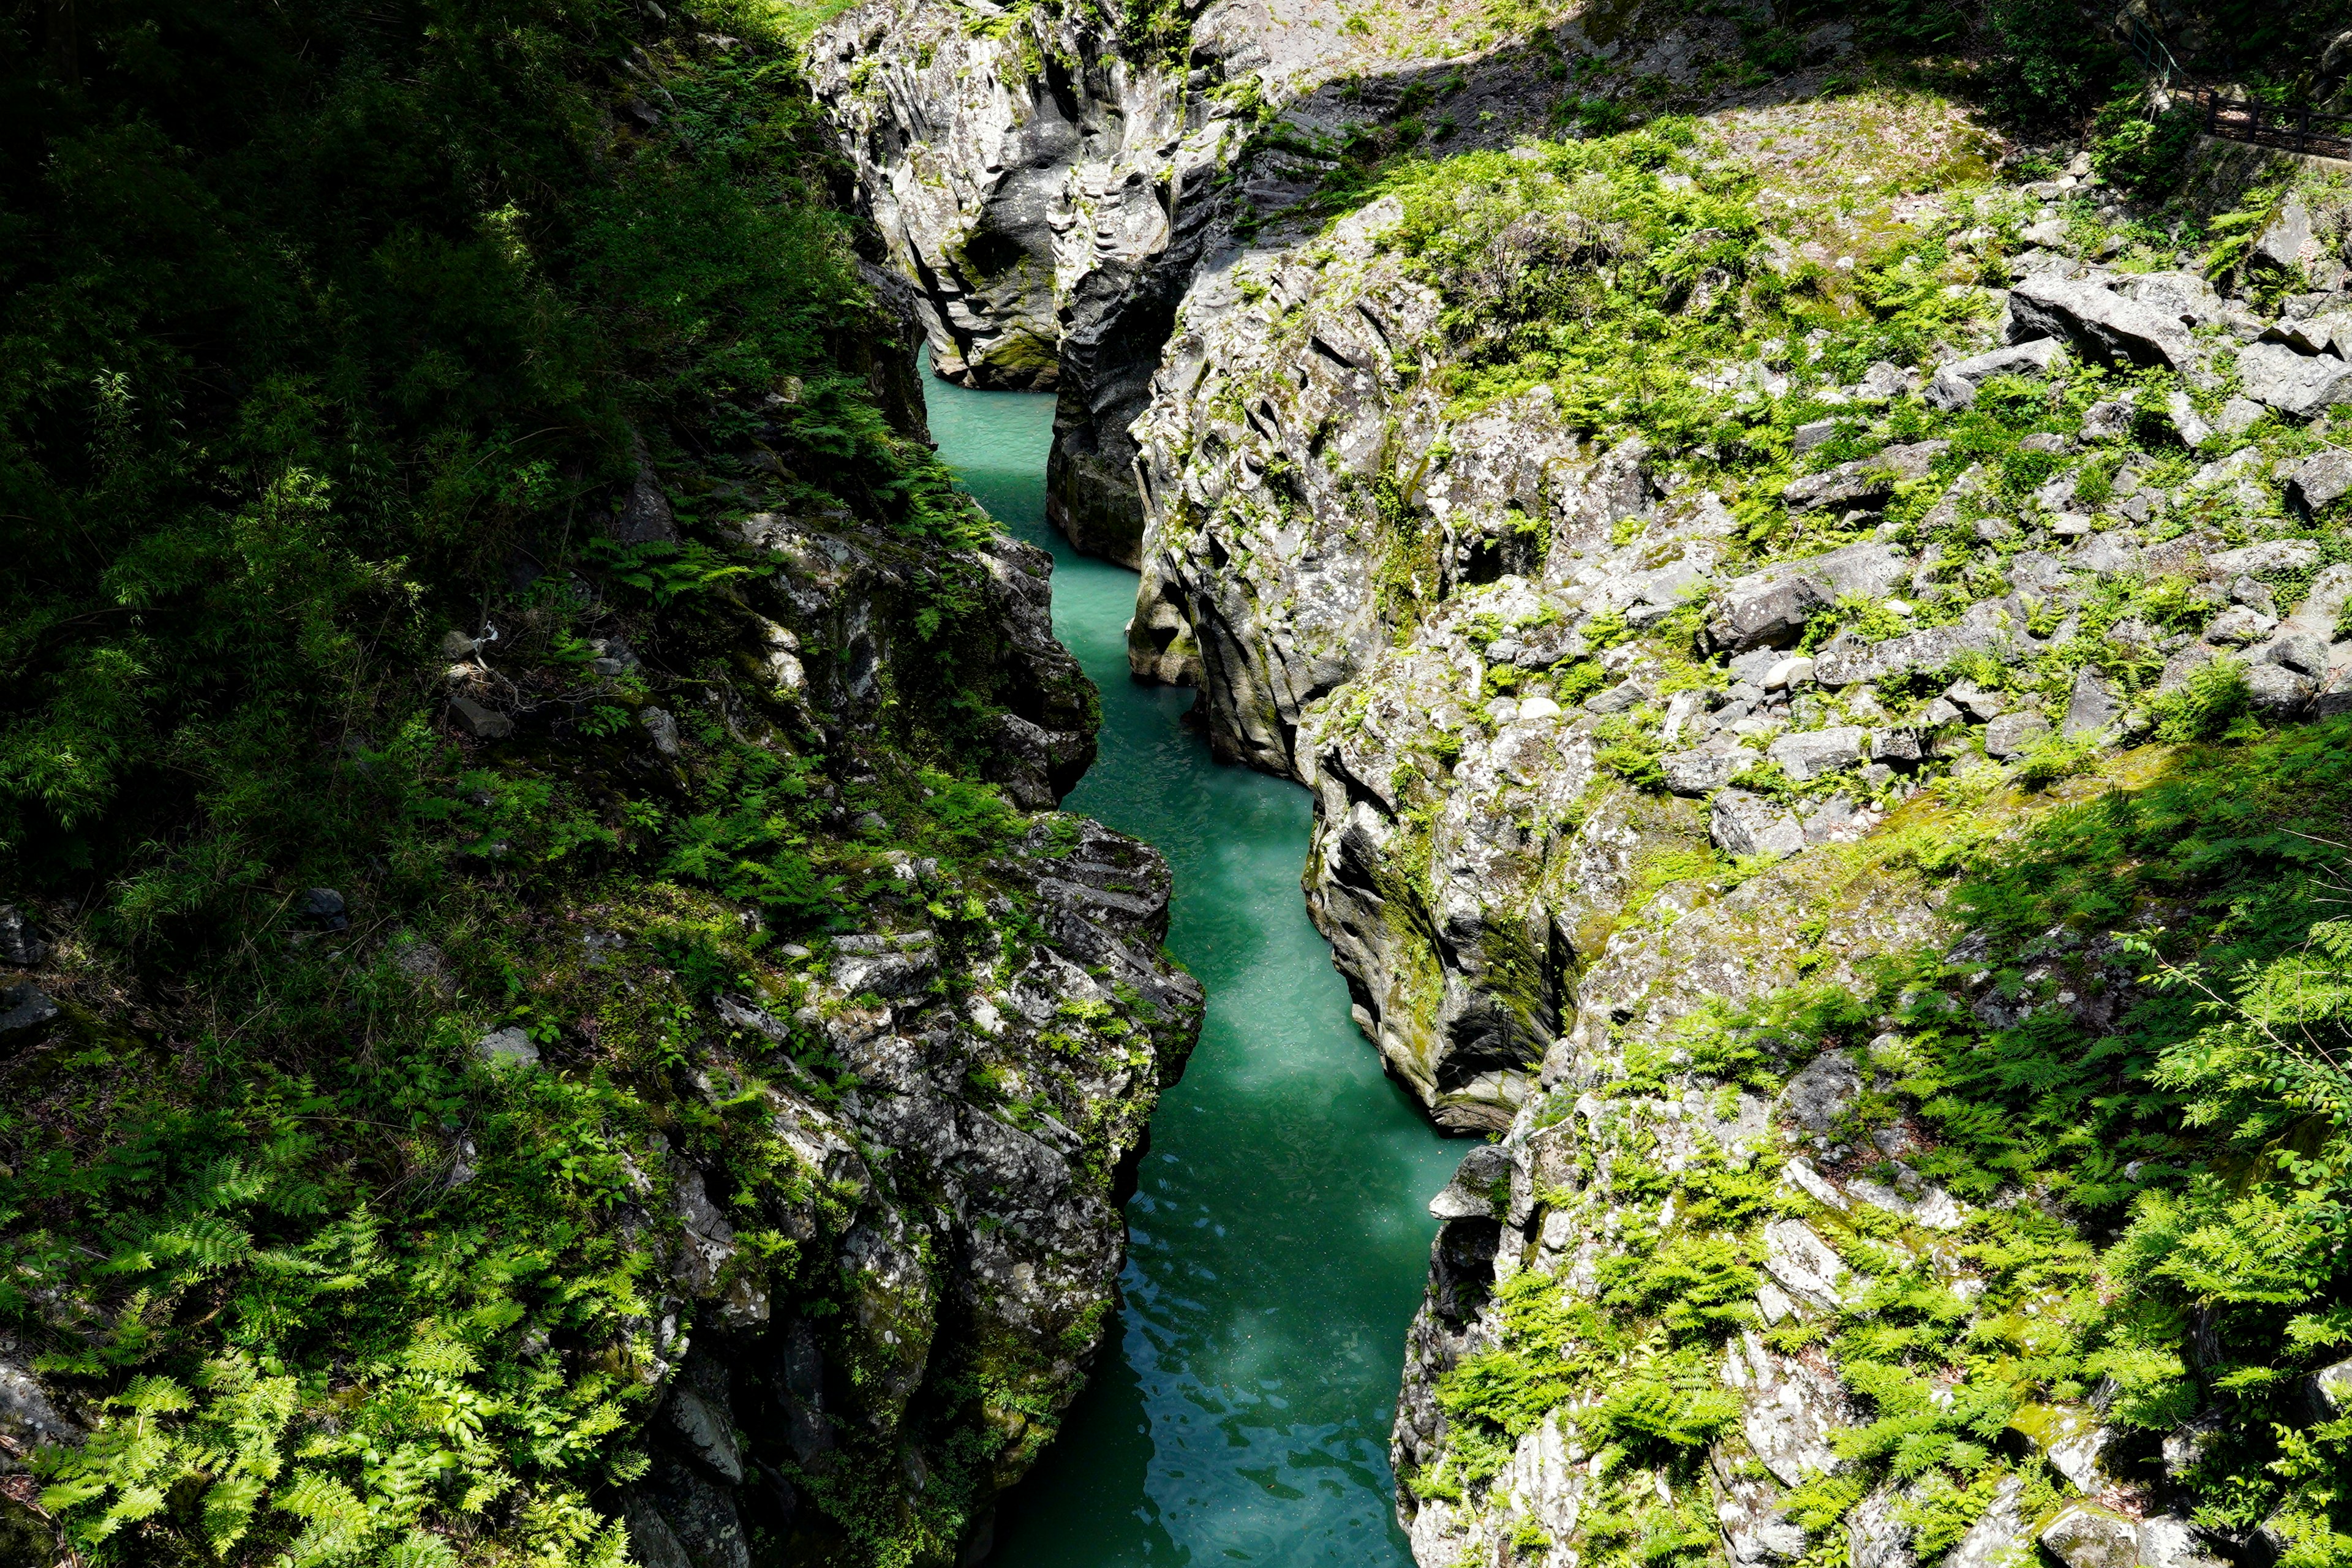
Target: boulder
{"points": [[2108, 555], [2083, 1537], [1954, 385], [2166, 1542], [482, 723], [507, 1048], [2099, 324], [2329, 1390], [2298, 385], [1983, 625], [2238, 626], [2262, 560], [24, 1008], [2280, 692], [1485, 1173], [1865, 484], [28, 1419], [662, 728], [1766, 610], [2282, 245], [2093, 707], [20, 944], [1806, 1266], [1704, 771], [1875, 1537], [324, 908], [2320, 482], [1994, 1538], [643, 517], [2182, 296], [1810, 753], [2303, 652], [2014, 734], [2110, 420], [1744, 824], [1825, 1090], [2187, 423]]}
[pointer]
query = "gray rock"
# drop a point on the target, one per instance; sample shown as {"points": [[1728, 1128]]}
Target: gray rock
{"points": [[2182, 296], [2093, 707], [1704, 771], [28, 1419], [1996, 1535], [24, 1008], [2297, 385], [479, 722], [2099, 324], [507, 1048], [2111, 420], [1979, 703], [1875, 1537], [1983, 627], [1810, 753], [1791, 1412], [2014, 734], [661, 728], [2302, 652], [2187, 423], [2166, 1542], [21, 946], [2083, 1537], [2334, 695], [652, 1542], [1805, 437], [2238, 415], [324, 907], [2330, 1390], [1955, 384], [1617, 699], [2108, 555], [1480, 1185], [2261, 560], [2238, 626], [1825, 1092], [1744, 824], [2280, 695], [1766, 610], [1896, 744], [1866, 483], [2282, 245], [707, 1431], [645, 517], [2320, 482], [1885, 381]]}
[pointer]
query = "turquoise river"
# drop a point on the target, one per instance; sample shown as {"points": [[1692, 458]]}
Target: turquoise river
{"points": [[1280, 1232]]}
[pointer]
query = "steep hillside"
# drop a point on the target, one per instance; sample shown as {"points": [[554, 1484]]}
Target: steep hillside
{"points": [[549, 1015], [1804, 558]]}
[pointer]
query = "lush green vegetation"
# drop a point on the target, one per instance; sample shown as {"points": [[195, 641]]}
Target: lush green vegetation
{"points": [[2131, 1069], [329, 331]]}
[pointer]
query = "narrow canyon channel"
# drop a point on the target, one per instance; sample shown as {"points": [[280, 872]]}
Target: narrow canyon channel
{"points": [[1280, 1230]]}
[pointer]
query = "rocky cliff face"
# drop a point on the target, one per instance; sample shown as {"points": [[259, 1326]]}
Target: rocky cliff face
{"points": [[1561, 692], [952, 1168], [1045, 190], [1051, 188]]}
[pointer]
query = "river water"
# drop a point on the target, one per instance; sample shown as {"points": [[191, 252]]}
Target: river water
{"points": [[1280, 1232]]}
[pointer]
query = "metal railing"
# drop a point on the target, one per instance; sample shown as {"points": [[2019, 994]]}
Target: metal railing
{"points": [[2303, 129]]}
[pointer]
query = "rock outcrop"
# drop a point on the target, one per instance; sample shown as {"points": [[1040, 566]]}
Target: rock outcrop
{"points": [[1051, 189], [1444, 619], [972, 1177]]}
